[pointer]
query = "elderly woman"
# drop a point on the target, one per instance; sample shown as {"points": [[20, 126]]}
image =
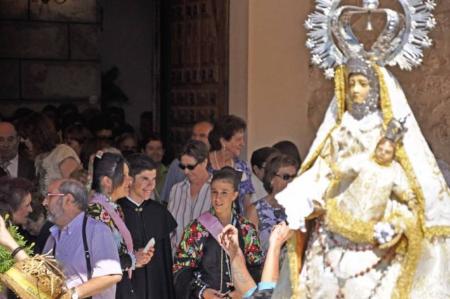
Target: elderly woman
{"points": [[227, 141], [110, 182], [52, 160], [191, 197], [266, 212], [201, 267]]}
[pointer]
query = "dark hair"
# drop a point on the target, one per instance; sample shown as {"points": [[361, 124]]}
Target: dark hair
{"points": [[12, 193], [77, 132], [273, 165], [101, 122], [260, 156], [151, 137], [228, 174], [40, 130], [289, 148], [196, 149], [109, 165], [140, 162], [225, 128], [38, 210]]}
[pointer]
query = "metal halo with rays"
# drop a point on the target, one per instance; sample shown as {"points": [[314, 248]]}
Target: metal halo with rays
{"points": [[401, 42]]}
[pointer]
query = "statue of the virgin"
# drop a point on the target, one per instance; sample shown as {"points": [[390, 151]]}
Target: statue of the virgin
{"points": [[365, 242]]}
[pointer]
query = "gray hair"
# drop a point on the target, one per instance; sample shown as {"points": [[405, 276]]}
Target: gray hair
{"points": [[78, 191]]}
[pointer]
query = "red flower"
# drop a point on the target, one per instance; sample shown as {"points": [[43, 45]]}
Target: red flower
{"points": [[104, 216]]}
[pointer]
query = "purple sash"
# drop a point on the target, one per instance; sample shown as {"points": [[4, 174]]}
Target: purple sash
{"points": [[118, 222], [212, 224]]}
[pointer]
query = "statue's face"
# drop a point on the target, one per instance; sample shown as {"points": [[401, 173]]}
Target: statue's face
{"points": [[384, 152], [359, 88]]}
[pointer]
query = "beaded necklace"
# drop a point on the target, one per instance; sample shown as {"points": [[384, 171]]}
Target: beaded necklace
{"points": [[386, 257]]}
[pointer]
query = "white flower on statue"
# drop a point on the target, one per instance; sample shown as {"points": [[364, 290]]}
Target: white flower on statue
{"points": [[383, 232]]}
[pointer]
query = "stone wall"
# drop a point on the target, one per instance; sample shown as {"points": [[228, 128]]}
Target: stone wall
{"points": [[48, 52]]}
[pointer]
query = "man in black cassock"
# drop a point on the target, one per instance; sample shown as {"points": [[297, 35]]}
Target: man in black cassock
{"points": [[146, 219]]}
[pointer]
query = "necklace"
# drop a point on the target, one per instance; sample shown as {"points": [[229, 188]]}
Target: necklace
{"points": [[220, 165], [227, 262], [322, 236]]}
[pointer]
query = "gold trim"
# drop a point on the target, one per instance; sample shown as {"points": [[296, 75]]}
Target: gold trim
{"points": [[414, 233], [437, 231], [340, 90], [344, 224]]}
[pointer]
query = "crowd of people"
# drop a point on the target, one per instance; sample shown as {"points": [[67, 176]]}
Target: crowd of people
{"points": [[96, 196]]}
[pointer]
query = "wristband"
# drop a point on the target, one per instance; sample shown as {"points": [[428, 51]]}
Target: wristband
{"points": [[16, 251]]}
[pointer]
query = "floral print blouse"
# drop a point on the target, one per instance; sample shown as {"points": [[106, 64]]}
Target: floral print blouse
{"points": [[97, 212], [199, 251]]}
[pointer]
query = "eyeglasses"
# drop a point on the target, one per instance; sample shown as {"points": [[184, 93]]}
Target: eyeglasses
{"points": [[286, 177], [54, 194], [189, 167]]}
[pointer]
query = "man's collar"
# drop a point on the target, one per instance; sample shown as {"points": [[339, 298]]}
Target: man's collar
{"points": [[69, 228]]}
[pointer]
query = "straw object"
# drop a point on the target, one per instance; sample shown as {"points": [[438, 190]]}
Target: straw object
{"points": [[39, 277]]}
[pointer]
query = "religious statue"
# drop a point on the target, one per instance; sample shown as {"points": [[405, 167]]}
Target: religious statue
{"points": [[377, 206]]}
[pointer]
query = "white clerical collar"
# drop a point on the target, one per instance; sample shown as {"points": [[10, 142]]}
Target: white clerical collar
{"points": [[135, 203]]}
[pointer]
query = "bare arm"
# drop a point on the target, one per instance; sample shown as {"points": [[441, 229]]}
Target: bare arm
{"points": [[67, 166], [277, 238], [242, 279], [9, 243], [96, 285]]}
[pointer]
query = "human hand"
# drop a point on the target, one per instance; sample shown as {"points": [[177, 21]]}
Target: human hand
{"points": [[144, 257], [212, 294], [229, 240], [6, 239], [280, 233]]}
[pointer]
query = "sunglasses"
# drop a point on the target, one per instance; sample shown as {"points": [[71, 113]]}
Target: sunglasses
{"points": [[286, 177], [189, 167]]}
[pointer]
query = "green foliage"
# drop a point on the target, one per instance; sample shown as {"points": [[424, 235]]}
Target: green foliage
{"points": [[6, 260]]}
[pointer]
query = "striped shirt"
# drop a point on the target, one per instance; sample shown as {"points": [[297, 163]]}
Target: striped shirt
{"points": [[185, 209]]}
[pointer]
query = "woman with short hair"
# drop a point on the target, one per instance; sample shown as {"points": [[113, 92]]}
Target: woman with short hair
{"points": [[227, 140]]}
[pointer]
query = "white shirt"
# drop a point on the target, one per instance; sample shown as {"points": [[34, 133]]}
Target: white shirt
{"points": [[13, 167]]}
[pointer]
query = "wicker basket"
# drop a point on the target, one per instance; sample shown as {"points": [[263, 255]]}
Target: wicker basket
{"points": [[38, 277]]}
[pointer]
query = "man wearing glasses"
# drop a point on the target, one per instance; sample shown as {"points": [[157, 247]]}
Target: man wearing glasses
{"points": [[191, 197], [84, 246]]}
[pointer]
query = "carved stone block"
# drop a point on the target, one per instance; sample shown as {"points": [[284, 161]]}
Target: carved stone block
{"points": [[33, 40], [75, 11], [9, 85], [60, 80], [84, 41], [14, 9]]}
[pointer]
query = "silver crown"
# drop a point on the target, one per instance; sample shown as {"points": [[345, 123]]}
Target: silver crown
{"points": [[400, 43], [396, 129]]}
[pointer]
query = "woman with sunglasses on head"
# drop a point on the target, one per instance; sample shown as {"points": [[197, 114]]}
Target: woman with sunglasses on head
{"points": [[202, 269], [266, 212], [191, 197], [111, 181]]}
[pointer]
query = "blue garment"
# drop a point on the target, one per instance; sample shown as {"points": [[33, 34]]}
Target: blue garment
{"points": [[268, 217], [174, 175]]}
